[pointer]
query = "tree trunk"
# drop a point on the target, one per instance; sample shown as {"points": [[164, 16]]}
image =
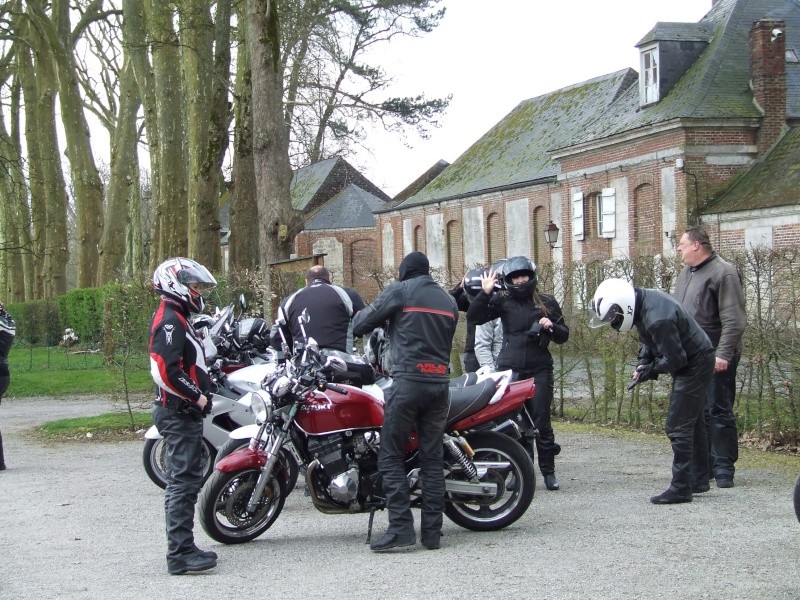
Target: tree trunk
{"points": [[124, 173], [243, 214], [171, 197], [86, 185], [279, 223], [134, 35]]}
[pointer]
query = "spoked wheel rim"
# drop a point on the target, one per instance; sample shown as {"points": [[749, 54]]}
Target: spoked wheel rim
{"points": [[230, 505], [504, 501]]}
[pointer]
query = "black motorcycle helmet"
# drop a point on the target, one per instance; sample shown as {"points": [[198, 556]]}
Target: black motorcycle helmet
{"points": [[514, 267], [472, 282]]}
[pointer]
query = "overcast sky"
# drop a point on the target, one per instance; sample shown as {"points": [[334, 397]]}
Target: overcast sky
{"points": [[493, 54]]}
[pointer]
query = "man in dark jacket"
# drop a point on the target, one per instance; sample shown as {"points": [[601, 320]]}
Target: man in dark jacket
{"points": [[422, 319], [330, 308], [178, 368], [711, 290], [672, 342]]}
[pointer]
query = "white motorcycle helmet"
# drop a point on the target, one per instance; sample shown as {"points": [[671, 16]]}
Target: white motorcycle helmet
{"points": [[614, 304], [172, 278]]}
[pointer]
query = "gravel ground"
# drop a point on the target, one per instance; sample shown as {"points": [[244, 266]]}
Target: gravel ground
{"points": [[81, 520]]}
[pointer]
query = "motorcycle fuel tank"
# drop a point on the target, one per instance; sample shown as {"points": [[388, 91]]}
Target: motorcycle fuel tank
{"points": [[331, 411]]}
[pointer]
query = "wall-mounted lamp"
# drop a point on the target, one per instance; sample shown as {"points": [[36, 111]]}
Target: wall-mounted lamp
{"points": [[551, 234], [679, 164], [670, 235]]}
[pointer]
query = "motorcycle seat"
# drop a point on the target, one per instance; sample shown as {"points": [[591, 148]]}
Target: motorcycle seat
{"points": [[468, 400], [464, 380]]}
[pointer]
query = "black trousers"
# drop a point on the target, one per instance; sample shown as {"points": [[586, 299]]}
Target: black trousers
{"points": [[539, 407], [183, 436], [471, 363], [5, 378], [420, 406], [721, 422], [686, 428]]}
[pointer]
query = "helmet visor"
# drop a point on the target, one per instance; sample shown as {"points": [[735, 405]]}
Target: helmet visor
{"points": [[614, 316]]}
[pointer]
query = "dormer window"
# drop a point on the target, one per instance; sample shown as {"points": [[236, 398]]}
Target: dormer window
{"points": [[648, 78]]}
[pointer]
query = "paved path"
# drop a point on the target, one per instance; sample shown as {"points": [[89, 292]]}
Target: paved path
{"points": [[81, 520]]}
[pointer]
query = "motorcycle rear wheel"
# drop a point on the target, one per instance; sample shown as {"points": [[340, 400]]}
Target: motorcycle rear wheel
{"points": [[153, 458], [286, 456], [223, 506], [797, 498], [515, 488]]}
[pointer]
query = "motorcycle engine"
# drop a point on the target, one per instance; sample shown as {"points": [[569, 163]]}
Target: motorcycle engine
{"points": [[341, 456]]}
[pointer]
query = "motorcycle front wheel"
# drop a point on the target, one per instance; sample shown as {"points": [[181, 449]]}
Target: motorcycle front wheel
{"points": [[223, 506], [289, 461], [153, 458], [516, 484]]}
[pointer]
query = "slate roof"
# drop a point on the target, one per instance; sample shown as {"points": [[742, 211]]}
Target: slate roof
{"points": [[716, 85], [421, 181], [352, 207], [773, 181], [515, 151], [315, 184]]}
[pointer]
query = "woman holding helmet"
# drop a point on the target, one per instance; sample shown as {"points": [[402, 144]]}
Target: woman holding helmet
{"points": [[531, 320], [178, 367], [672, 342]]}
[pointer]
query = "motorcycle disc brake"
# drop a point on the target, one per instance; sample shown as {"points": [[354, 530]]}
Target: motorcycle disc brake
{"points": [[237, 501]]}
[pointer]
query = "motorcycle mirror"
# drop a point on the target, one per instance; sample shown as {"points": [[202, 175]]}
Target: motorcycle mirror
{"points": [[242, 302], [304, 317], [280, 319]]}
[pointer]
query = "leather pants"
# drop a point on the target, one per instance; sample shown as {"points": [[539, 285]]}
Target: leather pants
{"points": [[539, 407], [421, 406], [720, 421], [685, 425], [183, 436]]}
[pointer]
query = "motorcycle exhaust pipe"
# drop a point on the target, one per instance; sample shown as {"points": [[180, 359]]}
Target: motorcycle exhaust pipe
{"points": [[509, 428]]}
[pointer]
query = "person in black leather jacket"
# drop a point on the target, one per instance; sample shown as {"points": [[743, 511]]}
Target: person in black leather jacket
{"points": [[531, 320], [7, 331], [673, 343], [178, 368], [330, 307], [422, 320]]}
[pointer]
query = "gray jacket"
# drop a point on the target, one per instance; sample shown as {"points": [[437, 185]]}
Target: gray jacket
{"points": [[712, 293], [488, 341]]}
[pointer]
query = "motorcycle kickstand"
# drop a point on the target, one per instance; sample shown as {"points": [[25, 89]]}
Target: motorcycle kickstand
{"points": [[371, 520]]}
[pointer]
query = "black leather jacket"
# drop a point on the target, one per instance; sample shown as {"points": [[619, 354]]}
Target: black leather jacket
{"points": [[670, 338], [523, 349], [422, 320]]}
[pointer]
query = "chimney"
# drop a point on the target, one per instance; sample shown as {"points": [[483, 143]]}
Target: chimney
{"points": [[768, 78]]}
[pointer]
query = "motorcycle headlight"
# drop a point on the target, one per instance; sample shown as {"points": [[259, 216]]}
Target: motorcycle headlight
{"points": [[261, 405]]}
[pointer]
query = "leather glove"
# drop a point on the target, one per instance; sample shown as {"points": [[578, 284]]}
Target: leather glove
{"points": [[207, 409], [644, 373]]}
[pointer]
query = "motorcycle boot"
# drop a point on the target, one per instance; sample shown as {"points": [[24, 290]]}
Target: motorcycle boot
{"points": [[189, 563], [204, 553], [389, 541], [432, 540]]}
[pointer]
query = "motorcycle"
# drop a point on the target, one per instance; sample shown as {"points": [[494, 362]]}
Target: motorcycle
{"points": [[239, 360], [490, 481], [797, 498]]}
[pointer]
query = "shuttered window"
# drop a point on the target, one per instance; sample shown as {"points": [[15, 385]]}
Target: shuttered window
{"points": [[577, 215], [607, 213]]}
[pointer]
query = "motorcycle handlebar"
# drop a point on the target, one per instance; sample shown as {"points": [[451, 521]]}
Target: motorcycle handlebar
{"points": [[336, 388]]}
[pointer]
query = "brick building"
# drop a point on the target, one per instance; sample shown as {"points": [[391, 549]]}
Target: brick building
{"points": [[705, 132]]}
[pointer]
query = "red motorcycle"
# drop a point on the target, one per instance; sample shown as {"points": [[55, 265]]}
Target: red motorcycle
{"points": [[335, 429]]}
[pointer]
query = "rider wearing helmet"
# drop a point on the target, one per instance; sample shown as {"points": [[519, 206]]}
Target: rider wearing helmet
{"points": [[178, 367], [672, 342], [463, 294], [531, 320]]}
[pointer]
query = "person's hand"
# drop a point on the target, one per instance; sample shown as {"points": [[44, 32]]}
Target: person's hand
{"points": [[488, 280], [546, 323], [642, 373], [202, 401], [720, 365]]}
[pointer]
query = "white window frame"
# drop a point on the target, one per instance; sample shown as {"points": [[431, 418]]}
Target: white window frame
{"points": [[607, 213], [577, 216], [649, 62]]}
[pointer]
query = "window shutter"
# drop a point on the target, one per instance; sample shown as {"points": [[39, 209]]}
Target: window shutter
{"points": [[608, 213], [577, 215]]}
